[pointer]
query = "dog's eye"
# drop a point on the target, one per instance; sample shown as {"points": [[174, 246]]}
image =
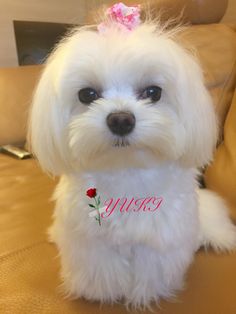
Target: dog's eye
{"points": [[88, 95], [152, 92]]}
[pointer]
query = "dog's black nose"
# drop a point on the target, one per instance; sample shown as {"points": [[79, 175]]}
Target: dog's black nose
{"points": [[121, 123]]}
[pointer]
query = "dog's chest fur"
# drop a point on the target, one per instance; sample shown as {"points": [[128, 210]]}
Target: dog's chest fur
{"points": [[178, 211], [167, 179]]}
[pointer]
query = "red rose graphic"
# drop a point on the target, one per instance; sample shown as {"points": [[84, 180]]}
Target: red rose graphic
{"points": [[91, 193]]}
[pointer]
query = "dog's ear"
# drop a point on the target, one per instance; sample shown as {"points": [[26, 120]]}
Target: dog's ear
{"points": [[46, 133], [198, 114]]}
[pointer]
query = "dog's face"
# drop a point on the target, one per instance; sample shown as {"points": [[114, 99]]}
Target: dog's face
{"points": [[119, 100]]}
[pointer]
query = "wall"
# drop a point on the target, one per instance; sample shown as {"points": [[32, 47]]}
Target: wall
{"points": [[64, 11], [68, 11]]}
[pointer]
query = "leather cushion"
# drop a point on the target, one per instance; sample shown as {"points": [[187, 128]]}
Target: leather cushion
{"points": [[221, 175], [29, 265], [215, 46]]}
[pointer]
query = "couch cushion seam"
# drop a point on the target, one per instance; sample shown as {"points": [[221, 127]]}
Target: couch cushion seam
{"points": [[4, 257], [230, 77]]}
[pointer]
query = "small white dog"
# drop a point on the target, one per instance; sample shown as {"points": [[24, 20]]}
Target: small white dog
{"points": [[124, 110]]}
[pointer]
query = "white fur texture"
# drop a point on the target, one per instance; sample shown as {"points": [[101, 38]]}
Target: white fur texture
{"points": [[140, 257]]}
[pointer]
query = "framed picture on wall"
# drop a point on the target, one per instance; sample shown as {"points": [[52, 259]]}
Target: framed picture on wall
{"points": [[35, 40]]}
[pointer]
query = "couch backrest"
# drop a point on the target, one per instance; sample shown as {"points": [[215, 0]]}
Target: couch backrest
{"points": [[193, 11], [16, 89], [215, 46]]}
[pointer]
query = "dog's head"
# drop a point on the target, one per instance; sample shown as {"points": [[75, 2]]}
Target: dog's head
{"points": [[119, 100]]}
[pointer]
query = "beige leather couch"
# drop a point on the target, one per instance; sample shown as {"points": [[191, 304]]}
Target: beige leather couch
{"points": [[29, 264]]}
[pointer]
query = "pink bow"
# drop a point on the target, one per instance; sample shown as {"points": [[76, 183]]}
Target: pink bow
{"points": [[127, 18]]}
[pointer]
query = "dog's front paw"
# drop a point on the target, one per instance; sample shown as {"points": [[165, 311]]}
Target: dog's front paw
{"points": [[95, 272]]}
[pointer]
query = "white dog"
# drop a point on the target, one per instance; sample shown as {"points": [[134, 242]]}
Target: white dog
{"points": [[126, 112]]}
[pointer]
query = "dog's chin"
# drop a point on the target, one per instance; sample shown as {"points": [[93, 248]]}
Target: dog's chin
{"points": [[120, 155]]}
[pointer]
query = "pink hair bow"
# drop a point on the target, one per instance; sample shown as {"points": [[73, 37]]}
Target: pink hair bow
{"points": [[126, 18]]}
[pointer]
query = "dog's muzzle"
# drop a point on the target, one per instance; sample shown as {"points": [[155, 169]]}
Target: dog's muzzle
{"points": [[121, 122]]}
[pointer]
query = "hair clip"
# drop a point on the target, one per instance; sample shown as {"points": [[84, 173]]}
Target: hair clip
{"points": [[127, 18]]}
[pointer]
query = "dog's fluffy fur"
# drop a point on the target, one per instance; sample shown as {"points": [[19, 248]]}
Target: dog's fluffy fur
{"points": [[139, 257]]}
